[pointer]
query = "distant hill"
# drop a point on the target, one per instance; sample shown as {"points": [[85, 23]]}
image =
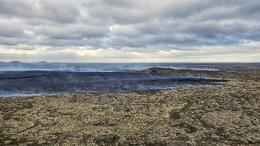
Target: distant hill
{"points": [[15, 61], [178, 71], [42, 62]]}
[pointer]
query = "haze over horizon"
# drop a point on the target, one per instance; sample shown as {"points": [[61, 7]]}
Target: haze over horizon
{"points": [[130, 31]]}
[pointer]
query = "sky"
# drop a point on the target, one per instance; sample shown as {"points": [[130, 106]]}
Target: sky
{"points": [[130, 30]]}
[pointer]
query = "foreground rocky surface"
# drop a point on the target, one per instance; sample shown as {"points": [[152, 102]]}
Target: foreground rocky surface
{"points": [[198, 115]]}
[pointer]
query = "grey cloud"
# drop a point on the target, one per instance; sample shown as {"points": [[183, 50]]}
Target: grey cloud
{"points": [[73, 32], [58, 10], [123, 12], [118, 3], [11, 29], [12, 41], [17, 8], [250, 9], [185, 8], [61, 11], [121, 42], [146, 24]]}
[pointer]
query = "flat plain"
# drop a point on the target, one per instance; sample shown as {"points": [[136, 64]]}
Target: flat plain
{"points": [[197, 115]]}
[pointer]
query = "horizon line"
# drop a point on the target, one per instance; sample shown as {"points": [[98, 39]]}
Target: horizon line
{"points": [[124, 62]]}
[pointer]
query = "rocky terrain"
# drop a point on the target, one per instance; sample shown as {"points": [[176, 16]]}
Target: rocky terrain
{"points": [[183, 116]]}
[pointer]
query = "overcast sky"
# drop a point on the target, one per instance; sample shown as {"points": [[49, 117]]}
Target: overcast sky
{"points": [[130, 30]]}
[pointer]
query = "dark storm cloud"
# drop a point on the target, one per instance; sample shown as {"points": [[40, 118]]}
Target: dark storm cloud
{"points": [[120, 24]]}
